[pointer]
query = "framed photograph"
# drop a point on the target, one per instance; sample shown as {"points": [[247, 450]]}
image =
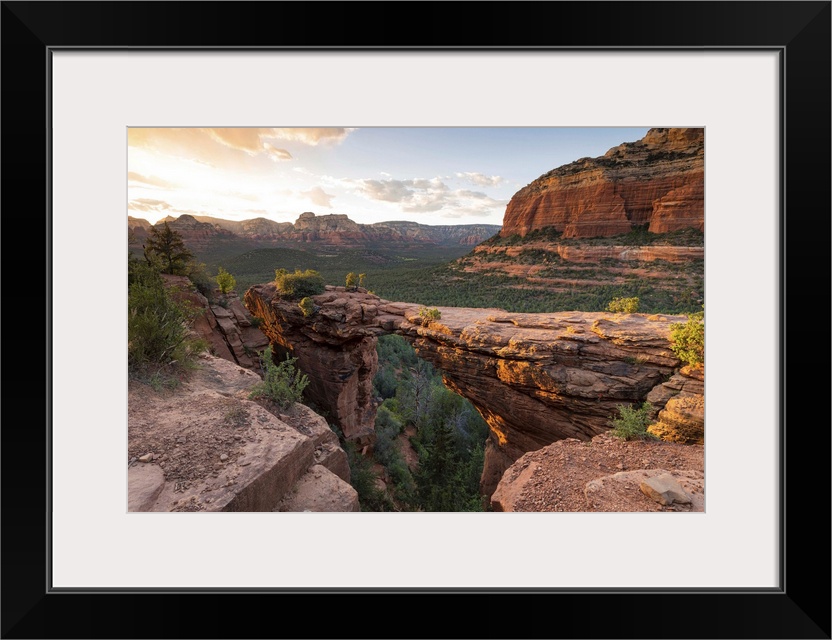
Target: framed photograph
{"points": [[754, 76]]}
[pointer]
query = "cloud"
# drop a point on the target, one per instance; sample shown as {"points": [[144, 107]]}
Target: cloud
{"points": [[243, 139], [481, 179], [421, 196], [249, 140], [151, 181], [313, 135], [209, 146], [275, 153], [318, 196], [148, 204], [416, 196], [243, 196]]}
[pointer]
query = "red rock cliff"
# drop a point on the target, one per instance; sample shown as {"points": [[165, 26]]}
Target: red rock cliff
{"points": [[658, 180]]}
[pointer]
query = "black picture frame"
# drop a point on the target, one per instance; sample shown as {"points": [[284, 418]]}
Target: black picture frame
{"points": [[799, 31]]}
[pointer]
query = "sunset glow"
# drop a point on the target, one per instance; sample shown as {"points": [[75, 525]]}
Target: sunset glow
{"points": [[428, 175]]}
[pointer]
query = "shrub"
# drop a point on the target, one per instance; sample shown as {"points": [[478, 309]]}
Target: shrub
{"points": [[198, 274], [632, 422], [298, 284], [159, 343], [307, 306], [352, 280], [225, 280], [361, 278], [282, 383], [687, 339], [623, 305], [429, 315]]}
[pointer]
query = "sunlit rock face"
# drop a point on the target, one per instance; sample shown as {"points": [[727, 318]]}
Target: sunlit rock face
{"points": [[658, 181], [535, 378]]}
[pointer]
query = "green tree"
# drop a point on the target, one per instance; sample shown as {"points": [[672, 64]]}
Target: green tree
{"points": [[299, 284], [225, 280], [283, 383], [429, 315], [632, 422], [307, 306], [352, 280], [687, 339], [623, 305], [435, 477], [165, 248]]}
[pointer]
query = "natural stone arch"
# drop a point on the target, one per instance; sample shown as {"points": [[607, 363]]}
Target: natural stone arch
{"points": [[535, 377]]}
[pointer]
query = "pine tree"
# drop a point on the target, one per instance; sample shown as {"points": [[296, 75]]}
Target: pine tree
{"points": [[165, 248]]}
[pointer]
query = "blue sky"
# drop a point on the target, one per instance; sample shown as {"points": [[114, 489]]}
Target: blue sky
{"points": [[428, 175]]}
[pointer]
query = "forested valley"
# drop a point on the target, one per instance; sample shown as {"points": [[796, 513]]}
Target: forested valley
{"points": [[429, 446]]}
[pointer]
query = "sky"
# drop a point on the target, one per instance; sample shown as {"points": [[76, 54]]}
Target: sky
{"points": [[437, 176]]}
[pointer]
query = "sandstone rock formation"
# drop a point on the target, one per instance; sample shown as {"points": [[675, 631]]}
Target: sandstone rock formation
{"points": [[197, 235], [335, 230], [604, 474], [210, 448], [657, 181], [682, 403], [594, 254], [225, 324], [535, 378]]}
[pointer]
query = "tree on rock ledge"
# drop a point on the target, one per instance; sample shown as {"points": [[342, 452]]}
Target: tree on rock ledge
{"points": [[165, 249]]}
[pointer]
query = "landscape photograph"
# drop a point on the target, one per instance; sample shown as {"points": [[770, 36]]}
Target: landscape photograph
{"points": [[414, 319]]}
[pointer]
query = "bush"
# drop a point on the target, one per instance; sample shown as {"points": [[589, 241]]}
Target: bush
{"points": [[225, 280], [282, 383], [198, 274], [687, 339], [632, 423], [299, 284], [352, 280], [429, 315], [623, 305], [307, 306], [158, 339]]}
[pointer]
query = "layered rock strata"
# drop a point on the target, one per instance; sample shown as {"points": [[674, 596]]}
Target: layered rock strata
{"points": [[594, 254], [535, 378], [225, 324], [657, 181]]}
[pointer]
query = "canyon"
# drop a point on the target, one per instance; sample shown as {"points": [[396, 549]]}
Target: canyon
{"points": [[547, 384]]}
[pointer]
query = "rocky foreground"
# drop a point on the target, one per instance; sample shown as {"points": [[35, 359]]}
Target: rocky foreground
{"points": [[605, 474], [205, 446]]}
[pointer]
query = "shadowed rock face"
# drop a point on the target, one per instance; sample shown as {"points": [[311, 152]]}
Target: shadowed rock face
{"points": [[658, 180], [535, 378]]}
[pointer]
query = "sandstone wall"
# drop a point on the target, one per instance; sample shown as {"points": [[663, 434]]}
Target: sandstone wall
{"points": [[658, 181]]}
